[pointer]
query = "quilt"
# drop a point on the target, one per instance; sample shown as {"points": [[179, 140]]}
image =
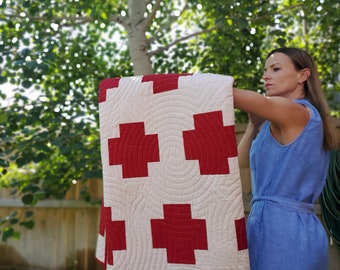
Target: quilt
{"points": [[172, 196]]}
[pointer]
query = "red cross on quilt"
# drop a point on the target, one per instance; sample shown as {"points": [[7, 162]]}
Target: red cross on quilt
{"points": [[172, 195]]}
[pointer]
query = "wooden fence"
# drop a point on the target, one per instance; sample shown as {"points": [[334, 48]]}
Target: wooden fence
{"points": [[64, 236], [65, 232]]}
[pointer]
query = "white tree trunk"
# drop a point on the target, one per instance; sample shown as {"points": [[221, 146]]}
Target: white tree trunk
{"points": [[137, 42], [138, 52]]}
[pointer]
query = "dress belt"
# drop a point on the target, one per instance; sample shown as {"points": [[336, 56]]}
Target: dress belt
{"points": [[285, 203]]}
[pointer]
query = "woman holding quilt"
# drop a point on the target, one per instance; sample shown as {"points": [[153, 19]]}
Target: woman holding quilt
{"points": [[288, 157]]}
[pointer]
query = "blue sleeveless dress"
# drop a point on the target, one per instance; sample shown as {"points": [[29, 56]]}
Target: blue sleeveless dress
{"points": [[282, 230]]}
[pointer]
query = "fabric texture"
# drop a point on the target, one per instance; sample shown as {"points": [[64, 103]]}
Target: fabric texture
{"points": [[283, 231], [172, 193]]}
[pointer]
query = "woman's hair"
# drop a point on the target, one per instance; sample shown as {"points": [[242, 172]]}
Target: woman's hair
{"points": [[313, 91]]}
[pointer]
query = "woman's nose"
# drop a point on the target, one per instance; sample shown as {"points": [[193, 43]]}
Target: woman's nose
{"points": [[265, 76]]}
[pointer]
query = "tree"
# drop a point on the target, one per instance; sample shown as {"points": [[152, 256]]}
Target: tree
{"points": [[55, 53], [260, 26]]}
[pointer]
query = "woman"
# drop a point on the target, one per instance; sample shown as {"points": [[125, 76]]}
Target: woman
{"points": [[289, 161]]}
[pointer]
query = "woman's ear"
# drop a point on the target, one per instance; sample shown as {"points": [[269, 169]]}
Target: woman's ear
{"points": [[304, 75]]}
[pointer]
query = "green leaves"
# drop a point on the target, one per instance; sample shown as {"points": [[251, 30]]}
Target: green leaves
{"points": [[27, 224], [9, 232], [10, 225], [28, 199], [3, 117]]}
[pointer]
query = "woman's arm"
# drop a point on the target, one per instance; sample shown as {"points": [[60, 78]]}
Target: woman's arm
{"points": [[287, 118], [244, 145]]}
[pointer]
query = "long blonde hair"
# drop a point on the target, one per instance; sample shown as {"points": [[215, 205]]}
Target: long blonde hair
{"points": [[313, 92]]}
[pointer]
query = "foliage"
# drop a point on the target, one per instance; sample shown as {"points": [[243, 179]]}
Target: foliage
{"points": [[13, 219], [252, 29], [55, 53]]}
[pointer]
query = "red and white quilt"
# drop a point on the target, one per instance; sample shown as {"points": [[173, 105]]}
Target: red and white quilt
{"points": [[172, 192]]}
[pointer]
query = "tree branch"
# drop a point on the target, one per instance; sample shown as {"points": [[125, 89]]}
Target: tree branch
{"points": [[161, 49], [171, 20], [76, 20], [152, 15], [277, 12], [118, 19]]}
